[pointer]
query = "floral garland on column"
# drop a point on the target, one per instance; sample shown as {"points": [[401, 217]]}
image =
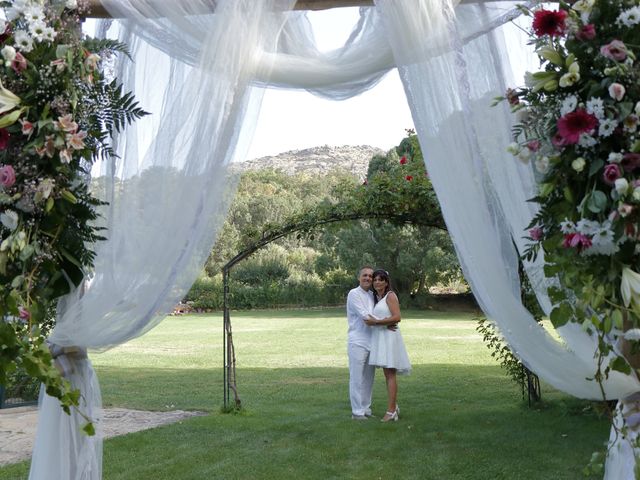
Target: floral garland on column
{"points": [[58, 111], [579, 118]]}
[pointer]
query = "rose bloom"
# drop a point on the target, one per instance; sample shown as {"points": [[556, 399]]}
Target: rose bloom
{"points": [[403, 160], [7, 176], [586, 32], [4, 138], [615, 50], [573, 124], [617, 91], [630, 161], [24, 313], [408, 178], [19, 64], [548, 22], [625, 210], [611, 173]]}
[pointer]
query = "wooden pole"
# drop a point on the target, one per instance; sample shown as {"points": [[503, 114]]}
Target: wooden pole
{"points": [[96, 10]]}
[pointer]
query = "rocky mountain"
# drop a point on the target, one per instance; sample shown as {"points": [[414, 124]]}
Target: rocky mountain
{"points": [[317, 160]]}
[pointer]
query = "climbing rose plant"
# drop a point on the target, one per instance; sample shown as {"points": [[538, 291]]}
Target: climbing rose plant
{"points": [[58, 111]]}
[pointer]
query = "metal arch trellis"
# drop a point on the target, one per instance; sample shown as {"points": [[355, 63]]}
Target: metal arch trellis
{"points": [[307, 223]]}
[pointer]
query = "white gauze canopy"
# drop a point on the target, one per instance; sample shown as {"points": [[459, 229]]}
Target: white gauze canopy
{"points": [[201, 77]]}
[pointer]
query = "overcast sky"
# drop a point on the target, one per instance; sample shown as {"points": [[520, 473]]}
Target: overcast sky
{"points": [[293, 120]]}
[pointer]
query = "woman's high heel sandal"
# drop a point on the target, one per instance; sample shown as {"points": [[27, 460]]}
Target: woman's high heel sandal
{"points": [[391, 416]]}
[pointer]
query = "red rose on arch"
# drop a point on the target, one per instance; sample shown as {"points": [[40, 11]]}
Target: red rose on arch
{"points": [[549, 22], [408, 178], [403, 160]]}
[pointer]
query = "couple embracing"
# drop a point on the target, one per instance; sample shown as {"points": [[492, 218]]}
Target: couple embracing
{"points": [[374, 340]]}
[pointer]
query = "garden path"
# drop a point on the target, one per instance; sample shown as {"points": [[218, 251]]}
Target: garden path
{"points": [[18, 427]]}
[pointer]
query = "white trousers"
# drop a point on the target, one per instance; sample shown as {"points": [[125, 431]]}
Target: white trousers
{"points": [[360, 379]]}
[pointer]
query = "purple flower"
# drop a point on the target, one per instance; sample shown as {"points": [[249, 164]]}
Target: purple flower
{"points": [[536, 234], [630, 161]]}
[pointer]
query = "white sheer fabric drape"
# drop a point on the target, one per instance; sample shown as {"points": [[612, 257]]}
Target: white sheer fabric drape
{"points": [[169, 190]]}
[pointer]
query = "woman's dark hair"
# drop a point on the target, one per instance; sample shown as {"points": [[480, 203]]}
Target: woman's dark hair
{"points": [[384, 275]]}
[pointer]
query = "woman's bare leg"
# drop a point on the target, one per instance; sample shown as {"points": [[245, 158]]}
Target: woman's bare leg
{"points": [[392, 388]]}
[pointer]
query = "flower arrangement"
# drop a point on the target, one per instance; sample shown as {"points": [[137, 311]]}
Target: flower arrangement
{"points": [[579, 126], [57, 113]]}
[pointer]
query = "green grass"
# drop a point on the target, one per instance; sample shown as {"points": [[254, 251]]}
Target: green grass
{"points": [[461, 417]]}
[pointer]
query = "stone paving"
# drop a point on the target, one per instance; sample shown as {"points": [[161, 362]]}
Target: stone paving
{"points": [[18, 427]]}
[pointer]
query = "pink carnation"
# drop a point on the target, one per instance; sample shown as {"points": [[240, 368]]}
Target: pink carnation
{"points": [[535, 234], [574, 124], [614, 50], [576, 240]]}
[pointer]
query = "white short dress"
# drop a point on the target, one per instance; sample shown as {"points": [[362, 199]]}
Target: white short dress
{"points": [[387, 346]]}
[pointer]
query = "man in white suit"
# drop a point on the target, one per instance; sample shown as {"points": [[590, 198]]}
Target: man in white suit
{"points": [[359, 306]]}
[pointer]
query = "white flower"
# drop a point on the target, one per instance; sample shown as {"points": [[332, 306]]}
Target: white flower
{"points": [[49, 34], [33, 13], [9, 219], [513, 148], [602, 241], [37, 29], [584, 7], [23, 41], [524, 154], [595, 106], [572, 77], [8, 53], [629, 286], [617, 91], [632, 334], [578, 164], [636, 194], [630, 17], [587, 141], [8, 99], [588, 227], [615, 157], [607, 127], [542, 164], [567, 226], [621, 186], [3, 25], [569, 104], [637, 109], [91, 62], [46, 187]]}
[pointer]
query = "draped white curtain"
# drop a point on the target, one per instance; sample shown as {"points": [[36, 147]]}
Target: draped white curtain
{"points": [[202, 77]]}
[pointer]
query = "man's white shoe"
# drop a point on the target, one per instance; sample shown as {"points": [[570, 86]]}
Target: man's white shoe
{"points": [[358, 417]]}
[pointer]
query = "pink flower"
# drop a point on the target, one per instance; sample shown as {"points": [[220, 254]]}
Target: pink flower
{"points": [[66, 124], [24, 313], [614, 50], [574, 124], [558, 141], [49, 147], [586, 32], [547, 22], [27, 127], [535, 234], [19, 63], [611, 173], [7, 176], [60, 64], [534, 145], [403, 160], [76, 140], [625, 210], [576, 240], [408, 178], [630, 161], [4, 138], [617, 91], [65, 156]]}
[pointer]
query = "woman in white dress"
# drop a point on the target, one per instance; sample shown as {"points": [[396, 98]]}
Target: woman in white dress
{"points": [[387, 347]]}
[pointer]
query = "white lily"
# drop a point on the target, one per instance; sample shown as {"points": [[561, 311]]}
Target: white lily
{"points": [[630, 286], [8, 99]]}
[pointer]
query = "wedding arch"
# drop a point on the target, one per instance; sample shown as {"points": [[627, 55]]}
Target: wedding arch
{"points": [[203, 76]]}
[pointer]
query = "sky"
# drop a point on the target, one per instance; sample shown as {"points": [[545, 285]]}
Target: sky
{"points": [[294, 120]]}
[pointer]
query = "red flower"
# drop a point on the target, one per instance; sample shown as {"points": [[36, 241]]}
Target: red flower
{"points": [[573, 124], [403, 160], [587, 32], [534, 145], [630, 161], [4, 138], [408, 178], [548, 22], [19, 63], [536, 234]]}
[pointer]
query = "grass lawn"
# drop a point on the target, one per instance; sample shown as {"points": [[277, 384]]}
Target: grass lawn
{"points": [[461, 417]]}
